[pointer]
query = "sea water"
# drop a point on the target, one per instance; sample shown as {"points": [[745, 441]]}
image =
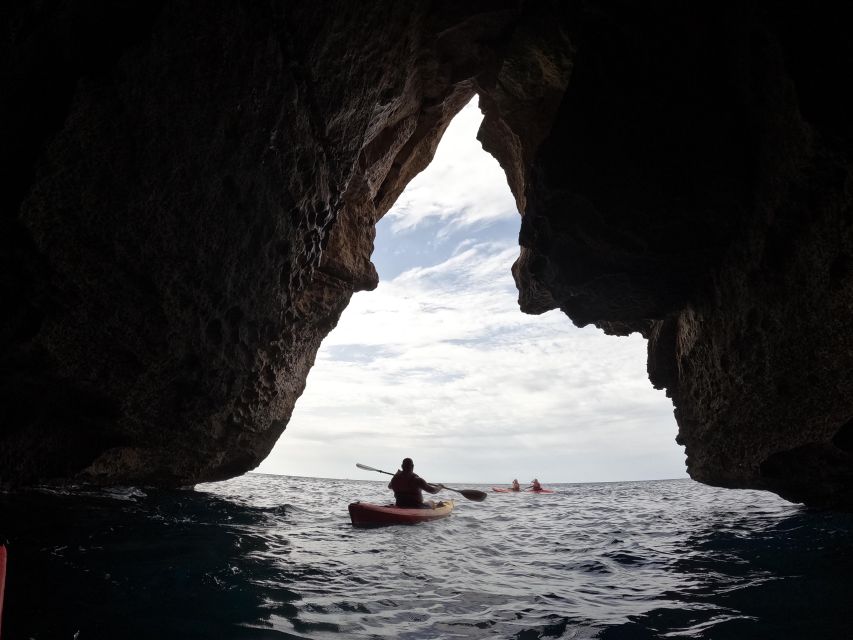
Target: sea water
{"points": [[275, 557]]}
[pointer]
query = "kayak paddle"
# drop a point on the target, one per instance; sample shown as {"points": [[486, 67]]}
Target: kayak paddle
{"points": [[471, 494], [366, 468]]}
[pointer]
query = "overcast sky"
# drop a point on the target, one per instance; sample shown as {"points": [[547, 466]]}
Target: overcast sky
{"points": [[439, 364]]}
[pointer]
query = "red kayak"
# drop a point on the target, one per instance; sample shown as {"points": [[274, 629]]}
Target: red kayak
{"points": [[502, 490], [365, 514], [2, 581]]}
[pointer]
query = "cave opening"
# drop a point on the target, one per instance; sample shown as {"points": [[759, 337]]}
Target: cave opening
{"points": [[439, 364]]}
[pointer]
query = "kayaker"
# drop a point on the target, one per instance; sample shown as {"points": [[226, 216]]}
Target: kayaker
{"points": [[407, 486], [535, 485], [515, 485]]}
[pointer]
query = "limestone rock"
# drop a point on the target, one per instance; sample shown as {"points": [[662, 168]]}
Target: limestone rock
{"points": [[191, 200], [193, 204]]}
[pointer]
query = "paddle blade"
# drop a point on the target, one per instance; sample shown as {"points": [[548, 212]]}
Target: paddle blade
{"points": [[366, 468], [473, 494]]}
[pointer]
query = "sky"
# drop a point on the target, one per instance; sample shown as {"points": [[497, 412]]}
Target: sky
{"points": [[440, 365]]}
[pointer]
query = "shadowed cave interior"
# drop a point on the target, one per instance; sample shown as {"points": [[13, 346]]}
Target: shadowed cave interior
{"points": [[192, 198]]}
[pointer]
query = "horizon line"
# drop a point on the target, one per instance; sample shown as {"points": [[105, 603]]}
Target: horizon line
{"points": [[284, 475]]}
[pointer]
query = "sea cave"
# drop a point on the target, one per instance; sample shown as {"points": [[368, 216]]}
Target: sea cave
{"points": [[191, 199]]}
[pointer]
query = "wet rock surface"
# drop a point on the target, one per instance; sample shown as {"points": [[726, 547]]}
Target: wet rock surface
{"points": [[193, 194]]}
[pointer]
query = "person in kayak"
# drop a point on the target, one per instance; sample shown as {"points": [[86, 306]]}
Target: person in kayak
{"points": [[515, 485], [535, 485], [407, 486]]}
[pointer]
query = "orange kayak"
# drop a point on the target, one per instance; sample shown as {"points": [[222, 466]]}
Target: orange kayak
{"points": [[365, 514]]}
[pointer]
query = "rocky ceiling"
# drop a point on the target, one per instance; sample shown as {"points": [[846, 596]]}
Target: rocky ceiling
{"points": [[190, 192]]}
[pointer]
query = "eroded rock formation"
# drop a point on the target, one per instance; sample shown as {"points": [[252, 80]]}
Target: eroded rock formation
{"points": [[192, 197]]}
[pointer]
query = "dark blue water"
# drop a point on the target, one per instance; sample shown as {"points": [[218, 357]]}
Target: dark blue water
{"points": [[272, 557]]}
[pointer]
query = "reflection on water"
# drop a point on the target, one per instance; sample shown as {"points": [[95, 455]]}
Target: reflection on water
{"points": [[756, 575], [269, 557], [172, 565]]}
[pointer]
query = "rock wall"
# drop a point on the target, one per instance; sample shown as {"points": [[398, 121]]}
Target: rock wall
{"points": [[193, 205], [695, 186], [193, 194]]}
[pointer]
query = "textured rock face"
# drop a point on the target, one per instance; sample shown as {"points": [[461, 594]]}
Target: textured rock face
{"points": [[695, 187], [193, 206], [193, 198]]}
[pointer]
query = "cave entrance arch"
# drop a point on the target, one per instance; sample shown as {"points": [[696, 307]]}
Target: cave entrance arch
{"points": [[438, 363], [170, 218]]}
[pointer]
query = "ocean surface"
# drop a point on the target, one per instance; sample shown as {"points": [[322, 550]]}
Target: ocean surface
{"points": [[271, 557]]}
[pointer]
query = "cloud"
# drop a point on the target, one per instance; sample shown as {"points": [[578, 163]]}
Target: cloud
{"points": [[453, 361], [462, 187]]}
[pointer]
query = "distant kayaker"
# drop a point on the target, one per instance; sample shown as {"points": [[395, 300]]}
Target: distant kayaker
{"points": [[407, 486], [515, 485], [535, 485]]}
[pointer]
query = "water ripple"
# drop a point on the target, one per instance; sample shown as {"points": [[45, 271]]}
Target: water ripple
{"points": [[268, 557]]}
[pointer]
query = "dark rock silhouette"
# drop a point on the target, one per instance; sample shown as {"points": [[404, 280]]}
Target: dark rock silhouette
{"points": [[191, 196]]}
